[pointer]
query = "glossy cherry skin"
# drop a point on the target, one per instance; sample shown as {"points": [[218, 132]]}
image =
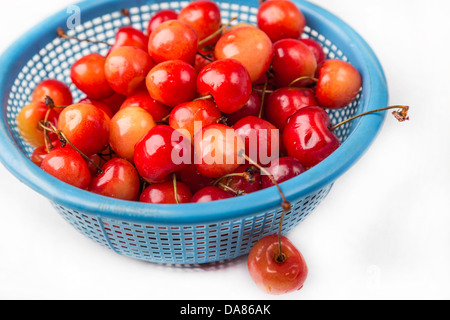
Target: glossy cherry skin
{"points": [[130, 37], [281, 19], [99, 105], [173, 40], [228, 81], [127, 128], [272, 276], [307, 136], [241, 184], [86, 127], [316, 48], [193, 179], [126, 69], [261, 138], [164, 193], [39, 155], [292, 60], [28, 123], [67, 165], [160, 17], [119, 180], [339, 84], [248, 45], [57, 90], [190, 117], [162, 152], [172, 82], [282, 169], [284, 102], [218, 150], [251, 108], [142, 99], [204, 16], [114, 102], [209, 194], [88, 75]]}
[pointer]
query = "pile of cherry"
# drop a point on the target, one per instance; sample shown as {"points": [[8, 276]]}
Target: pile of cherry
{"points": [[180, 88]]}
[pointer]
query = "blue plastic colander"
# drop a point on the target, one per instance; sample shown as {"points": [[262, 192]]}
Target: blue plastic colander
{"points": [[187, 233]]}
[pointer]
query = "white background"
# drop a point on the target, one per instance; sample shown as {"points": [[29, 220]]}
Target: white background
{"points": [[382, 233]]}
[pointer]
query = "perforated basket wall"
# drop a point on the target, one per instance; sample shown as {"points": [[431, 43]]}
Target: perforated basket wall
{"points": [[161, 234]]}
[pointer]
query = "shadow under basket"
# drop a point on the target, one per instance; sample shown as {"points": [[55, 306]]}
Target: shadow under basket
{"points": [[186, 233]]}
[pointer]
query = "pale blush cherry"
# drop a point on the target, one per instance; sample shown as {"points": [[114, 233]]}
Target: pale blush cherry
{"points": [[142, 99], [126, 69], [274, 275], [127, 128], [86, 127], [248, 45], [338, 85], [173, 40], [57, 90]]}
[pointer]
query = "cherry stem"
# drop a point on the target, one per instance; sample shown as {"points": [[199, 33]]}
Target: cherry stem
{"points": [[262, 90], [263, 97], [247, 176], [285, 205], [401, 115], [219, 31], [302, 79], [63, 138], [126, 13], [62, 34], [209, 96], [206, 57], [175, 187], [236, 193]]}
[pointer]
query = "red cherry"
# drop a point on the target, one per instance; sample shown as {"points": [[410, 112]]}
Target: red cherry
{"points": [[67, 165], [114, 102], [228, 81], [202, 59], [172, 82], [292, 60], [218, 150], [39, 155], [209, 194], [130, 37], [193, 179], [261, 138], [339, 84], [251, 108], [86, 127], [164, 193], [242, 184], [142, 99], [88, 75], [316, 48], [58, 91], [161, 152], [160, 17], [28, 123], [119, 180], [126, 69], [281, 19], [272, 275], [173, 40], [284, 102], [99, 105], [282, 169], [204, 16], [127, 128], [307, 136], [192, 116], [248, 45], [98, 160]]}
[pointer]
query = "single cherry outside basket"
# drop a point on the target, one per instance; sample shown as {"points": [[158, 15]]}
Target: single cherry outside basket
{"points": [[186, 233]]}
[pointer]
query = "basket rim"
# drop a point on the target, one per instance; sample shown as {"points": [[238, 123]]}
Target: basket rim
{"points": [[374, 93]]}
